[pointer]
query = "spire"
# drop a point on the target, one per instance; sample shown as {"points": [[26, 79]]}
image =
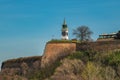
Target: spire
{"points": [[64, 23], [64, 30]]}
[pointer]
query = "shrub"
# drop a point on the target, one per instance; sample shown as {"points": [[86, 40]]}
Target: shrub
{"points": [[112, 59], [68, 70], [91, 72], [44, 72], [84, 56]]}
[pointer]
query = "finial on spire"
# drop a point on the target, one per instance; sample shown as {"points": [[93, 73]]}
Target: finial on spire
{"points": [[64, 23]]}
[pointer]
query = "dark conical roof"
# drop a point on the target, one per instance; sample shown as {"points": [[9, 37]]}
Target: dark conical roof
{"points": [[64, 24]]}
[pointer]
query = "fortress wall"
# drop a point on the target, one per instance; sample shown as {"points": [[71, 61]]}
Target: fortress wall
{"points": [[21, 66], [55, 51], [100, 46]]}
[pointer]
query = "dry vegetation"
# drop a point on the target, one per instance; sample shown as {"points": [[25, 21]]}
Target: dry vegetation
{"points": [[21, 68], [76, 68]]}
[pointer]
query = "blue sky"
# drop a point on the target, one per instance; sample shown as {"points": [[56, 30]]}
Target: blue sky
{"points": [[26, 25]]}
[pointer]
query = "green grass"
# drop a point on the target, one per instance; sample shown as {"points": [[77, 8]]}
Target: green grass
{"points": [[62, 41]]}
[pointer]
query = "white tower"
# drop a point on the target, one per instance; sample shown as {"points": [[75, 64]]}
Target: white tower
{"points": [[64, 31]]}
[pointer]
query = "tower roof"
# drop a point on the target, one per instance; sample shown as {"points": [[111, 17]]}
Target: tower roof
{"points": [[64, 26], [64, 23]]}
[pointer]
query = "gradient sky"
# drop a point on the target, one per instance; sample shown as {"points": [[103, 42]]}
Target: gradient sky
{"points": [[26, 25]]}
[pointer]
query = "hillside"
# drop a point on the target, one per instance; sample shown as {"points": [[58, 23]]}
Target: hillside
{"points": [[72, 61], [20, 68], [91, 61]]}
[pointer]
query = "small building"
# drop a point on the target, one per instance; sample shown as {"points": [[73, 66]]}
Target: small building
{"points": [[106, 36]]}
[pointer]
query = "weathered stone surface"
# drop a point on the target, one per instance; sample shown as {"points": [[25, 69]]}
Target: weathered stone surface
{"points": [[20, 66], [55, 51]]}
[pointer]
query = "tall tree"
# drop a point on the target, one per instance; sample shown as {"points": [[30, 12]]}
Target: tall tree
{"points": [[83, 33]]}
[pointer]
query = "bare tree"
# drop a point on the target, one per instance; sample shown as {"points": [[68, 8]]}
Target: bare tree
{"points": [[83, 33]]}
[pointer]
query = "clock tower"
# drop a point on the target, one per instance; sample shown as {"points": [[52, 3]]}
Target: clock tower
{"points": [[64, 31]]}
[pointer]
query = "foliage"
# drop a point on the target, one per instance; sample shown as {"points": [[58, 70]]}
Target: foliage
{"points": [[112, 59], [101, 66], [94, 71], [80, 66], [75, 69], [44, 72], [91, 72], [17, 62], [79, 55], [68, 70]]}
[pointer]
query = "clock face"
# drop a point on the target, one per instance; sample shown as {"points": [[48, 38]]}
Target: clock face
{"points": [[64, 33]]}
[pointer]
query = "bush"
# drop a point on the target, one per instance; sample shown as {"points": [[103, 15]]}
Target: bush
{"points": [[84, 56], [68, 70], [45, 72], [112, 58]]}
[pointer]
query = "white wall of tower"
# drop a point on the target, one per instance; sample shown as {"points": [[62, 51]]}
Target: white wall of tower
{"points": [[65, 37]]}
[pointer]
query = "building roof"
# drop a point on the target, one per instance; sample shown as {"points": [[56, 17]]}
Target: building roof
{"points": [[64, 23], [64, 26], [107, 34]]}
